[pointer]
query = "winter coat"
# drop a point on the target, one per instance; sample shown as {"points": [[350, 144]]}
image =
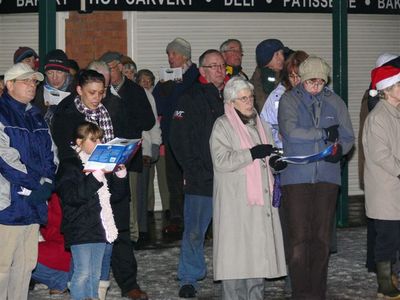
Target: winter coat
{"points": [[27, 157], [303, 133], [81, 204], [191, 128], [167, 94], [247, 239], [138, 116], [382, 162]]}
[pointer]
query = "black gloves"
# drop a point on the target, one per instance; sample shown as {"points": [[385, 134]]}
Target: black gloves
{"points": [[277, 165], [42, 194], [332, 133], [261, 151], [336, 155]]}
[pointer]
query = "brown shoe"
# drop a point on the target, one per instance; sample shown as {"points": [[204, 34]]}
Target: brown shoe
{"points": [[136, 294], [58, 292]]}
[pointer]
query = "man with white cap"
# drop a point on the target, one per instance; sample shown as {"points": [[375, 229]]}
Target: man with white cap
{"points": [[27, 170], [382, 173], [312, 117], [166, 95]]}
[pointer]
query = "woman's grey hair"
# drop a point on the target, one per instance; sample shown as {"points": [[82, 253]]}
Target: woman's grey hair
{"points": [[99, 65], [234, 86], [382, 94]]}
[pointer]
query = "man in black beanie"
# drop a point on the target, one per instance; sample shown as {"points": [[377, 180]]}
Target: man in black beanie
{"points": [[58, 83], [270, 58]]}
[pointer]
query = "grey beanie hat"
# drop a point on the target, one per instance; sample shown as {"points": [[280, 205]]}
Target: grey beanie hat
{"points": [[181, 46]]}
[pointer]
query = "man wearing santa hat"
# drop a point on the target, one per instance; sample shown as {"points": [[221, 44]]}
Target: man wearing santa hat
{"points": [[382, 173]]}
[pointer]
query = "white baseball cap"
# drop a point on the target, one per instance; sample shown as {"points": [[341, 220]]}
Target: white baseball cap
{"points": [[22, 71]]}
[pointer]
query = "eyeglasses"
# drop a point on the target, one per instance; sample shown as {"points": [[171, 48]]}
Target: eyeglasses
{"points": [[245, 99], [28, 81], [315, 82], [215, 67]]}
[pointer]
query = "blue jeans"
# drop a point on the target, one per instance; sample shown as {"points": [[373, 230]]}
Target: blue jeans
{"points": [[106, 264], [54, 279], [87, 268], [197, 216]]}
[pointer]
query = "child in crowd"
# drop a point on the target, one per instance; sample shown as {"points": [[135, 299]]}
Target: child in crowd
{"points": [[88, 222]]}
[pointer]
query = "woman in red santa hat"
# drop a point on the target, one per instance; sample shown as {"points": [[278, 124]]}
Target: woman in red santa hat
{"points": [[382, 173]]}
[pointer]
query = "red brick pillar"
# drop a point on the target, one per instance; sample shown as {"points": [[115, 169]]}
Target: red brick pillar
{"points": [[88, 36]]}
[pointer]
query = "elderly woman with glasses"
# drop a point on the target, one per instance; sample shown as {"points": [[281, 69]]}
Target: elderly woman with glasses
{"points": [[311, 117], [248, 244]]}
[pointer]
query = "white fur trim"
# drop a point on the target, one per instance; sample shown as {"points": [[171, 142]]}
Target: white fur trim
{"points": [[387, 82]]}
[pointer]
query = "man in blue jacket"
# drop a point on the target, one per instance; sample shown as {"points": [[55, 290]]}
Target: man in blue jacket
{"points": [[27, 168]]}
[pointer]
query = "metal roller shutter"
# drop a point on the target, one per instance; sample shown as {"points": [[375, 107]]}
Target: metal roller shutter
{"points": [[16, 30]]}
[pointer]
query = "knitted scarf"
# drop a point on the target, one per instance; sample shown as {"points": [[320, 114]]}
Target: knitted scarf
{"points": [[106, 214], [253, 171], [99, 116]]}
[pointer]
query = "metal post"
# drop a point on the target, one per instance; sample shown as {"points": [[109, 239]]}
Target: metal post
{"points": [[340, 86], [47, 28]]}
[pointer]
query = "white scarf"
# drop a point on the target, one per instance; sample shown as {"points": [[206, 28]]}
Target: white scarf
{"points": [[106, 214]]}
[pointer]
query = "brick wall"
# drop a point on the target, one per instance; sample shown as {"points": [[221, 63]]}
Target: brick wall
{"points": [[88, 36]]}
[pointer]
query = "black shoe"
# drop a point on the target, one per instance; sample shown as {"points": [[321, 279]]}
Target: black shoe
{"points": [[187, 291]]}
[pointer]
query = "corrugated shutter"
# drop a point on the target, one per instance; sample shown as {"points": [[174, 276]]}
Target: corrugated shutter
{"points": [[16, 30], [369, 35]]}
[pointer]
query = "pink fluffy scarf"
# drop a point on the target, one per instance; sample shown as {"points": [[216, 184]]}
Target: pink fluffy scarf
{"points": [[253, 171], [106, 213]]}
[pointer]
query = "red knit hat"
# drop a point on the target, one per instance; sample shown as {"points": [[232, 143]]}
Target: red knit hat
{"points": [[383, 77]]}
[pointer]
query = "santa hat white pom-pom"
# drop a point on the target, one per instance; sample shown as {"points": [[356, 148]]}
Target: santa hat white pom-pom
{"points": [[373, 93]]}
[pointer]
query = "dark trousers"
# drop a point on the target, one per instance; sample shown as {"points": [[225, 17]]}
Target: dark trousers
{"points": [[387, 240], [123, 262], [309, 214], [175, 184]]}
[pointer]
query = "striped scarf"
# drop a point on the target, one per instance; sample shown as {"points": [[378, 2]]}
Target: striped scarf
{"points": [[99, 116]]}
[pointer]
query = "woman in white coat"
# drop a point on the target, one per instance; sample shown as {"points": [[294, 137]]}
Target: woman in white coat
{"points": [[248, 244], [382, 173]]}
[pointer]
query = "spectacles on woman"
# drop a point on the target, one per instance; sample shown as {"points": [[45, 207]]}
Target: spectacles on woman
{"points": [[315, 82], [245, 99]]}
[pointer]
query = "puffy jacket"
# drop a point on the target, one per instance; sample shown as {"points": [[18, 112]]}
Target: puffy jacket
{"points": [[302, 125], [27, 155]]}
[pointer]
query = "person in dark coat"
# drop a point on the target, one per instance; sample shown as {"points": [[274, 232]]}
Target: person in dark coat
{"points": [[166, 94], [137, 116], [191, 128]]}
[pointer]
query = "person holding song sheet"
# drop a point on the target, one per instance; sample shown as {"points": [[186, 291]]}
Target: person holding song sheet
{"points": [[88, 223]]}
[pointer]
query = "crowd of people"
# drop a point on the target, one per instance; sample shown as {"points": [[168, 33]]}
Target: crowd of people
{"points": [[215, 139]]}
